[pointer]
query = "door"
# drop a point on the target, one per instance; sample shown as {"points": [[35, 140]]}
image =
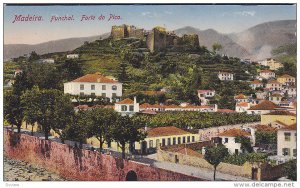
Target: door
{"points": [[254, 173]]}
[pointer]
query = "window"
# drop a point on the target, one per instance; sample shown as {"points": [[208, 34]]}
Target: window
{"points": [[81, 87], [103, 94], [179, 140], [286, 151], [114, 95], [287, 136], [114, 87], [226, 140], [123, 108], [103, 87], [131, 108], [295, 152], [81, 94], [151, 143], [92, 87], [163, 142], [188, 139], [169, 141], [183, 139], [93, 94], [193, 138], [157, 142], [236, 151], [174, 141]]}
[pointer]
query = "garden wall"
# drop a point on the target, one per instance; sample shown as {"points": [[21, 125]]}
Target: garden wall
{"points": [[77, 164]]}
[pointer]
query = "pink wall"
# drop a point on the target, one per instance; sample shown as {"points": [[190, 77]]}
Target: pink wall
{"points": [[76, 164]]}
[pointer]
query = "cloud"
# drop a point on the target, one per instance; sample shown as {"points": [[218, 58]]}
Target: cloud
{"points": [[245, 13], [168, 12], [155, 14], [146, 13]]}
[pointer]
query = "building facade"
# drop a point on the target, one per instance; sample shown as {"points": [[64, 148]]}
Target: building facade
{"points": [[94, 85], [224, 76]]}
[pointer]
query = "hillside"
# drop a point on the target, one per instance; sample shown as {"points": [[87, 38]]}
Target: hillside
{"points": [[16, 50]]}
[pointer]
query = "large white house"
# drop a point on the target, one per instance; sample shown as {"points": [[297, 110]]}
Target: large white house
{"points": [[262, 108], [267, 74], [204, 95], [94, 85], [225, 76], [72, 56], [228, 139]]}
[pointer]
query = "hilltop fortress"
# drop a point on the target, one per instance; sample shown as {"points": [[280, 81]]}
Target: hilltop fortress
{"points": [[156, 39]]}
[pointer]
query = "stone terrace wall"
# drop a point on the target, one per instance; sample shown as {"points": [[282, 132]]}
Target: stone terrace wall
{"points": [[245, 170], [76, 164]]}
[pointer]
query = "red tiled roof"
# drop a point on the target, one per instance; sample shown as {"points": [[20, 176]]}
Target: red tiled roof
{"points": [[165, 131], [264, 105], [286, 76], [95, 78], [265, 71], [234, 133], [240, 96], [265, 128], [226, 111], [291, 127], [273, 82], [283, 113], [276, 95], [125, 101], [243, 104], [205, 91], [256, 82]]}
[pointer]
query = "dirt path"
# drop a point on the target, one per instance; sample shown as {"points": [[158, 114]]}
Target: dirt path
{"points": [[15, 170]]}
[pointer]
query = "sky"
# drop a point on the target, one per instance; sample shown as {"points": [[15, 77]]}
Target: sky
{"points": [[222, 18]]}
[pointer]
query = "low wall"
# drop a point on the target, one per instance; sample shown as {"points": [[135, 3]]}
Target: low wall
{"points": [[245, 170], [77, 164]]}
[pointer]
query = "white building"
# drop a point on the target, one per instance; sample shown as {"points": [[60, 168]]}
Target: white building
{"points": [[272, 63], [72, 56], [287, 141], [228, 139], [94, 85], [274, 85], [261, 94], [262, 108], [225, 76], [127, 106], [241, 98], [242, 107], [203, 96], [275, 98], [256, 84], [49, 60], [267, 74]]}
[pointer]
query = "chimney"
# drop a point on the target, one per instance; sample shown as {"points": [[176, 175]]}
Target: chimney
{"points": [[134, 100]]}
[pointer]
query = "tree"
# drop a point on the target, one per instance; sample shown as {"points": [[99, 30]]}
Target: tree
{"points": [[13, 110], [102, 121], [33, 56], [245, 143], [125, 132], [215, 155], [216, 47], [291, 169], [78, 129], [49, 108]]}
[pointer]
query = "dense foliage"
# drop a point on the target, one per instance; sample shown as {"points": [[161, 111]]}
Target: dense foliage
{"points": [[196, 120], [265, 137], [291, 170], [242, 158]]}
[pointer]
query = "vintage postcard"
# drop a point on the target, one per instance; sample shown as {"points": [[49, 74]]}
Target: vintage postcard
{"points": [[150, 92]]}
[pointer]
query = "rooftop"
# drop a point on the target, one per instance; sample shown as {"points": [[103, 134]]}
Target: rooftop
{"points": [[265, 71], [165, 131], [264, 105], [235, 133], [291, 127], [125, 101], [94, 78], [240, 96], [273, 82], [225, 111], [282, 113], [256, 82], [243, 104], [265, 128], [205, 91], [286, 76]]}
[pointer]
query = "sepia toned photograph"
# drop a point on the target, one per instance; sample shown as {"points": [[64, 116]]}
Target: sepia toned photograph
{"points": [[150, 92]]}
